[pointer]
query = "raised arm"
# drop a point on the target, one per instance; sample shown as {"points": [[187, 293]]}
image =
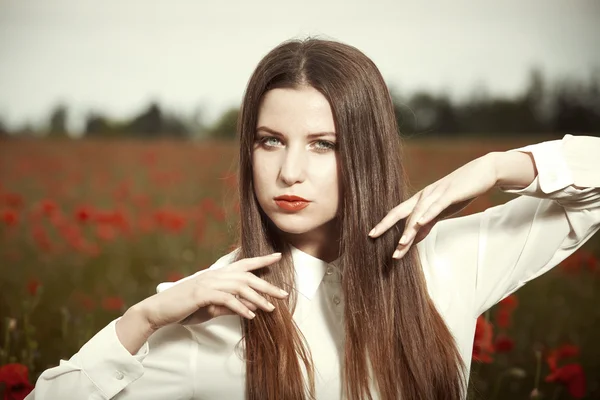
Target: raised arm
{"points": [[495, 252]]}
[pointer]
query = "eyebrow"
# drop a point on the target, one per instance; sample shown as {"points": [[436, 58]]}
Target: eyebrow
{"points": [[312, 135]]}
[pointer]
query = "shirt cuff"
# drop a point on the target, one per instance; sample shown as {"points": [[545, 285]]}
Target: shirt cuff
{"points": [[108, 364], [582, 155]]}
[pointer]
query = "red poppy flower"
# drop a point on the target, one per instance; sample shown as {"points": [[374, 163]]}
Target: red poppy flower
{"points": [[175, 223], [10, 217], [15, 379], [33, 285], [572, 376], [113, 303], [174, 276], [83, 213], [556, 355], [509, 303], [567, 350], [503, 344], [48, 207], [483, 347], [170, 220], [503, 318]]}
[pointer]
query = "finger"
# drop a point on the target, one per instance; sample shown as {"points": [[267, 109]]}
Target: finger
{"points": [[434, 210], [411, 228], [242, 290], [251, 306], [231, 302], [414, 223], [251, 280], [219, 311], [263, 286], [255, 298], [396, 214], [250, 264]]}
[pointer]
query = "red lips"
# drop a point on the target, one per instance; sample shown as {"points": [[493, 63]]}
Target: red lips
{"points": [[286, 197], [291, 203]]}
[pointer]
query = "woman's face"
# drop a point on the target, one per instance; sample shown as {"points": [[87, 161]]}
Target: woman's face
{"points": [[295, 155]]}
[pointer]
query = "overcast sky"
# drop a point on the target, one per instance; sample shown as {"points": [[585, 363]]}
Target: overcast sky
{"points": [[116, 56]]}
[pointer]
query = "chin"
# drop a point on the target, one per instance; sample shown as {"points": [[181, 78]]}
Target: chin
{"points": [[294, 226], [299, 225]]}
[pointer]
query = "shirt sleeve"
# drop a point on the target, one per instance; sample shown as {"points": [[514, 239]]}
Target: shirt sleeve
{"points": [[495, 252], [104, 369]]}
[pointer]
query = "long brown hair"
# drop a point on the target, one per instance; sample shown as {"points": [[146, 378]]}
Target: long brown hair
{"points": [[395, 340]]}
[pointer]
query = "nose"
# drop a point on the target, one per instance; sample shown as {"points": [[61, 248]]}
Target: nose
{"points": [[293, 166]]}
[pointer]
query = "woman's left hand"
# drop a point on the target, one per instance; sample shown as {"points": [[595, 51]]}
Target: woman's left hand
{"points": [[439, 200]]}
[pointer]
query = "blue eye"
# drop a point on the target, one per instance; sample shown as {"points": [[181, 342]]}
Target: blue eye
{"points": [[324, 145], [320, 146], [269, 141]]}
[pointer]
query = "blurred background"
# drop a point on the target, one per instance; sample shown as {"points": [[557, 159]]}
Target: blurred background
{"points": [[117, 154]]}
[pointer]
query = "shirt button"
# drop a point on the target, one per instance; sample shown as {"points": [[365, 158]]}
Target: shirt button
{"points": [[119, 375], [336, 300], [329, 270]]}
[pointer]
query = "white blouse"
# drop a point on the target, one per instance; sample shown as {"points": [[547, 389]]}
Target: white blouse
{"points": [[470, 263]]}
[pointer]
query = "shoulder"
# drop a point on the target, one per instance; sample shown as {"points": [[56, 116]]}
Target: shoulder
{"points": [[221, 262]]}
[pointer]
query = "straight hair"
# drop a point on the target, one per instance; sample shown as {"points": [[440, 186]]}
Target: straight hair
{"points": [[396, 342]]}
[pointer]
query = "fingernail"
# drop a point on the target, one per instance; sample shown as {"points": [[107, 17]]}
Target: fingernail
{"points": [[283, 292], [270, 306], [422, 220], [275, 254], [372, 232], [396, 254], [403, 240], [252, 315]]}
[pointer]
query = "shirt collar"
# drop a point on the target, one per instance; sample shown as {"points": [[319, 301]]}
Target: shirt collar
{"points": [[309, 272]]}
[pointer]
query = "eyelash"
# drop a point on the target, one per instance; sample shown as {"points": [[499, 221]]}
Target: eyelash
{"points": [[331, 146]]}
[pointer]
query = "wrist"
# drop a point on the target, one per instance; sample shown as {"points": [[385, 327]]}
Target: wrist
{"points": [[138, 315], [513, 168], [133, 329]]}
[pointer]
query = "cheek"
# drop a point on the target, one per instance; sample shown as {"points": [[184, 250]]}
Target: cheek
{"points": [[328, 179], [261, 175]]}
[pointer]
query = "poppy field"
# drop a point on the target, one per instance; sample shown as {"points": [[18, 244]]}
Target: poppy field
{"points": [[89, 228]]}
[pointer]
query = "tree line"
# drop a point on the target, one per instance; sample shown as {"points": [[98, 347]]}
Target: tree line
{"points": [[566, 106]]}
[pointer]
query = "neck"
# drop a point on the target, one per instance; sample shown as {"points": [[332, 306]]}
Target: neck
{"points": [[322, 243]]}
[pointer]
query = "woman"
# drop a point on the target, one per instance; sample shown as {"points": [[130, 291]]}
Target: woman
{"points": [[322, 185]]}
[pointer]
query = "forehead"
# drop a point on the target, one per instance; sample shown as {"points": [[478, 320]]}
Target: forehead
{"points": [[296, 111]]}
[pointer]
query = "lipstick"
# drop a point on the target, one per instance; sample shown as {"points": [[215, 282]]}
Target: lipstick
{"points": [[291, 203]]}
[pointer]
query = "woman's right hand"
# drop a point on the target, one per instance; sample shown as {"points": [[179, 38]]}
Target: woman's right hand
{"points": [[232, 289]]}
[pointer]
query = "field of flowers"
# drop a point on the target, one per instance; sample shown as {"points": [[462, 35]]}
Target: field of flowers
{"points": [[88, 228]]}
